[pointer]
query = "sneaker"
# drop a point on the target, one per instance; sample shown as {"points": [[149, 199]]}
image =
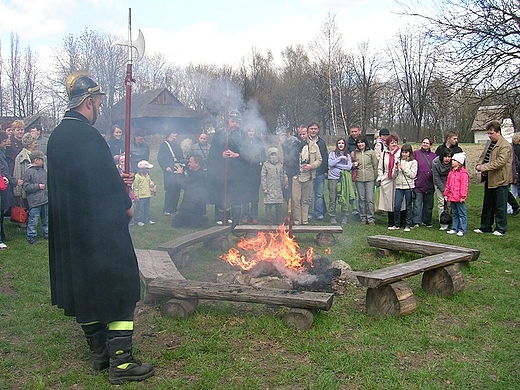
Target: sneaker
{"points": [[393, 228], [372, 223], [443, 227], [167, 214], [3, 246], [33, 241], [219, 222], [451, 231], [229, 221], [460, 233], [305, 222], [415, 226], [363, 222], [478, 231], [497, 233], [140, 223], [151, 222], [406, 229], [428, 226]]}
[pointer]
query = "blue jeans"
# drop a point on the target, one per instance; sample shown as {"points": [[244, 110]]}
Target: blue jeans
{"points": [[319, 209], [422, 209], [143, 207], [32, 223], [398, 201], [460, 218]]}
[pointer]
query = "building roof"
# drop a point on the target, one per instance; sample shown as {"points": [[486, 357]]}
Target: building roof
{"points": [[159, 103], [486, 114]]}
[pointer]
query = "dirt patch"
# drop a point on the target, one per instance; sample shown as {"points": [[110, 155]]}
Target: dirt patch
{"points": [[6, 284]]}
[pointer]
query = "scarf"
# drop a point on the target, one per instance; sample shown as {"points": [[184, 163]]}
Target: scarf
{"points": [[391, 162]]}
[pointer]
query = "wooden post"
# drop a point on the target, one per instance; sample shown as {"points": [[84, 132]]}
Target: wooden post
{"points": [[179, 308], [390, 299]]}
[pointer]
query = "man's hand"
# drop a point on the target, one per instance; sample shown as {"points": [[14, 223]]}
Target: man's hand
{"points": [[128, 178]]}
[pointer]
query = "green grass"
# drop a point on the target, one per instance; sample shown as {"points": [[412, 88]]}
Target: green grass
{"points": [[469, 340]]}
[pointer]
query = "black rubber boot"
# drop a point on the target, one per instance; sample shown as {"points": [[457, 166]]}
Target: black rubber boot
{"points": [[96, 336], [123, 366]]}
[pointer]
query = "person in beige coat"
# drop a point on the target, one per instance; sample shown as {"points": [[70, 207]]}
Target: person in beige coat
{"points": [[495, 167], [310, 160]]}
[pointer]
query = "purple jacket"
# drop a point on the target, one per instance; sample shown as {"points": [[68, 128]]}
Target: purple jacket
{"points": [[424, 179]]}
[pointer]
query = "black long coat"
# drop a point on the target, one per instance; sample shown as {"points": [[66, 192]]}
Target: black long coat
{"points": [[93, 266]]}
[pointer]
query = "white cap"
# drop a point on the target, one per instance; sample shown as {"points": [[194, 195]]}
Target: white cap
{"points": [[144, 164]]}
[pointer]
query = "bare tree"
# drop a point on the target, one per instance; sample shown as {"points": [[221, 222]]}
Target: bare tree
{"points": [[328, 57], [296, 92], [414, 62]]}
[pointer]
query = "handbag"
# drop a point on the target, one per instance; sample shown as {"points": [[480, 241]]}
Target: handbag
{"points": [[19, 214], [445, 217], [354, 170]]}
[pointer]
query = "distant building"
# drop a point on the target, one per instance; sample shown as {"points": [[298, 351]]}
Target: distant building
{"points": [[159, 111], [486, 114]]}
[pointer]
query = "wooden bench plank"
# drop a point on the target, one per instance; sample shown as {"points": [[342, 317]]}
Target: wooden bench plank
{"points": [[244, 229], [418, 246], [190, 289], [397, 272], [187, 240], [154, 263]]}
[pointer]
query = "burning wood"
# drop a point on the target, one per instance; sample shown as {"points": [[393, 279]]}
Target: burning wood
{"points": [[276, 247]]}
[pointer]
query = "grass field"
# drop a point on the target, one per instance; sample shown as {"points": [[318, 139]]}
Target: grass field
{"points": [[469, 340]]}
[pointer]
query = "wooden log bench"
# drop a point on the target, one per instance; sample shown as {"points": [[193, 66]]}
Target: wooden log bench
{"points": [[324, 234], [389, 294], [179, 297], [215, 237], [391, 243]]}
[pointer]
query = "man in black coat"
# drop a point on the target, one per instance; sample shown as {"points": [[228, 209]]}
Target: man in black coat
{"points": [[93, 266], [170, 156], [192, 211]]}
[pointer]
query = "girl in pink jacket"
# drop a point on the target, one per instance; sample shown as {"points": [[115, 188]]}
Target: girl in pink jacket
{"points": [[456, 192]]}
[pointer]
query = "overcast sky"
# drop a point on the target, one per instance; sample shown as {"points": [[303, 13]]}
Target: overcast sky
{"points": [[207, 31]]}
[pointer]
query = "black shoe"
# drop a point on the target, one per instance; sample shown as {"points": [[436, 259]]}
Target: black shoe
{"points": [[33, 241], [515, 212]]}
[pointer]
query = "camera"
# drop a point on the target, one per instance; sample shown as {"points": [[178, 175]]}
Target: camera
{"points": [[303, 162]]}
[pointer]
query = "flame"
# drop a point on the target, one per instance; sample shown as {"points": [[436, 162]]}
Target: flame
{"points": [[272, 247]]}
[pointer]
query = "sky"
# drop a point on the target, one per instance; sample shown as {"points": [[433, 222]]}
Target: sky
{"points": [[198, 31]]}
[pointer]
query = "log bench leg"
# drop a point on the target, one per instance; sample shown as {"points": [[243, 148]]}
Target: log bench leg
{"points": [[325, 239], [390, 299], [301, 319], [443, 281], [179, 308], [220, 243], [181, 259]]}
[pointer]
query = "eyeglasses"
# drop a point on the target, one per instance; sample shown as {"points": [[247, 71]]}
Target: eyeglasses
{"points": [[313, 128]]}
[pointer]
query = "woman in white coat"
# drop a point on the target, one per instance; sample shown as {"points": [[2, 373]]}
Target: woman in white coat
{"points": [[385, 181]]}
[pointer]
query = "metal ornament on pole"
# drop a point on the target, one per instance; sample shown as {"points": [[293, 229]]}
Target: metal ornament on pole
{"points": [[139, 45]]}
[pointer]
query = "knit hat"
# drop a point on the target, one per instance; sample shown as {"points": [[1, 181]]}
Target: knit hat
{"points": [[384, 132], [460, 157], [37, 154], [144, 164], [272, 150]]}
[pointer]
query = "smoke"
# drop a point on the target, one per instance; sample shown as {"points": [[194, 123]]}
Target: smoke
{"points": [[277, 267], [223, 96]]}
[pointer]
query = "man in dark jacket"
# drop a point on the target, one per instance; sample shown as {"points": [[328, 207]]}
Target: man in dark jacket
{"points": [[93, 266], [192, 211], [170, 157]]}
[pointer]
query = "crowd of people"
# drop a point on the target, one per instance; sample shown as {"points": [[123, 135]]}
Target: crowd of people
{"points": [[85, 203]]}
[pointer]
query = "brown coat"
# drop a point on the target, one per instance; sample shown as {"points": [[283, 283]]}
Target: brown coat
{"points": [[498, 168]]}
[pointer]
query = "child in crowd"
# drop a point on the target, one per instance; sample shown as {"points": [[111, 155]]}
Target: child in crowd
{"points": [[272, 180], [404, 173], [35, 187], [456, 192], [143, 188]]}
